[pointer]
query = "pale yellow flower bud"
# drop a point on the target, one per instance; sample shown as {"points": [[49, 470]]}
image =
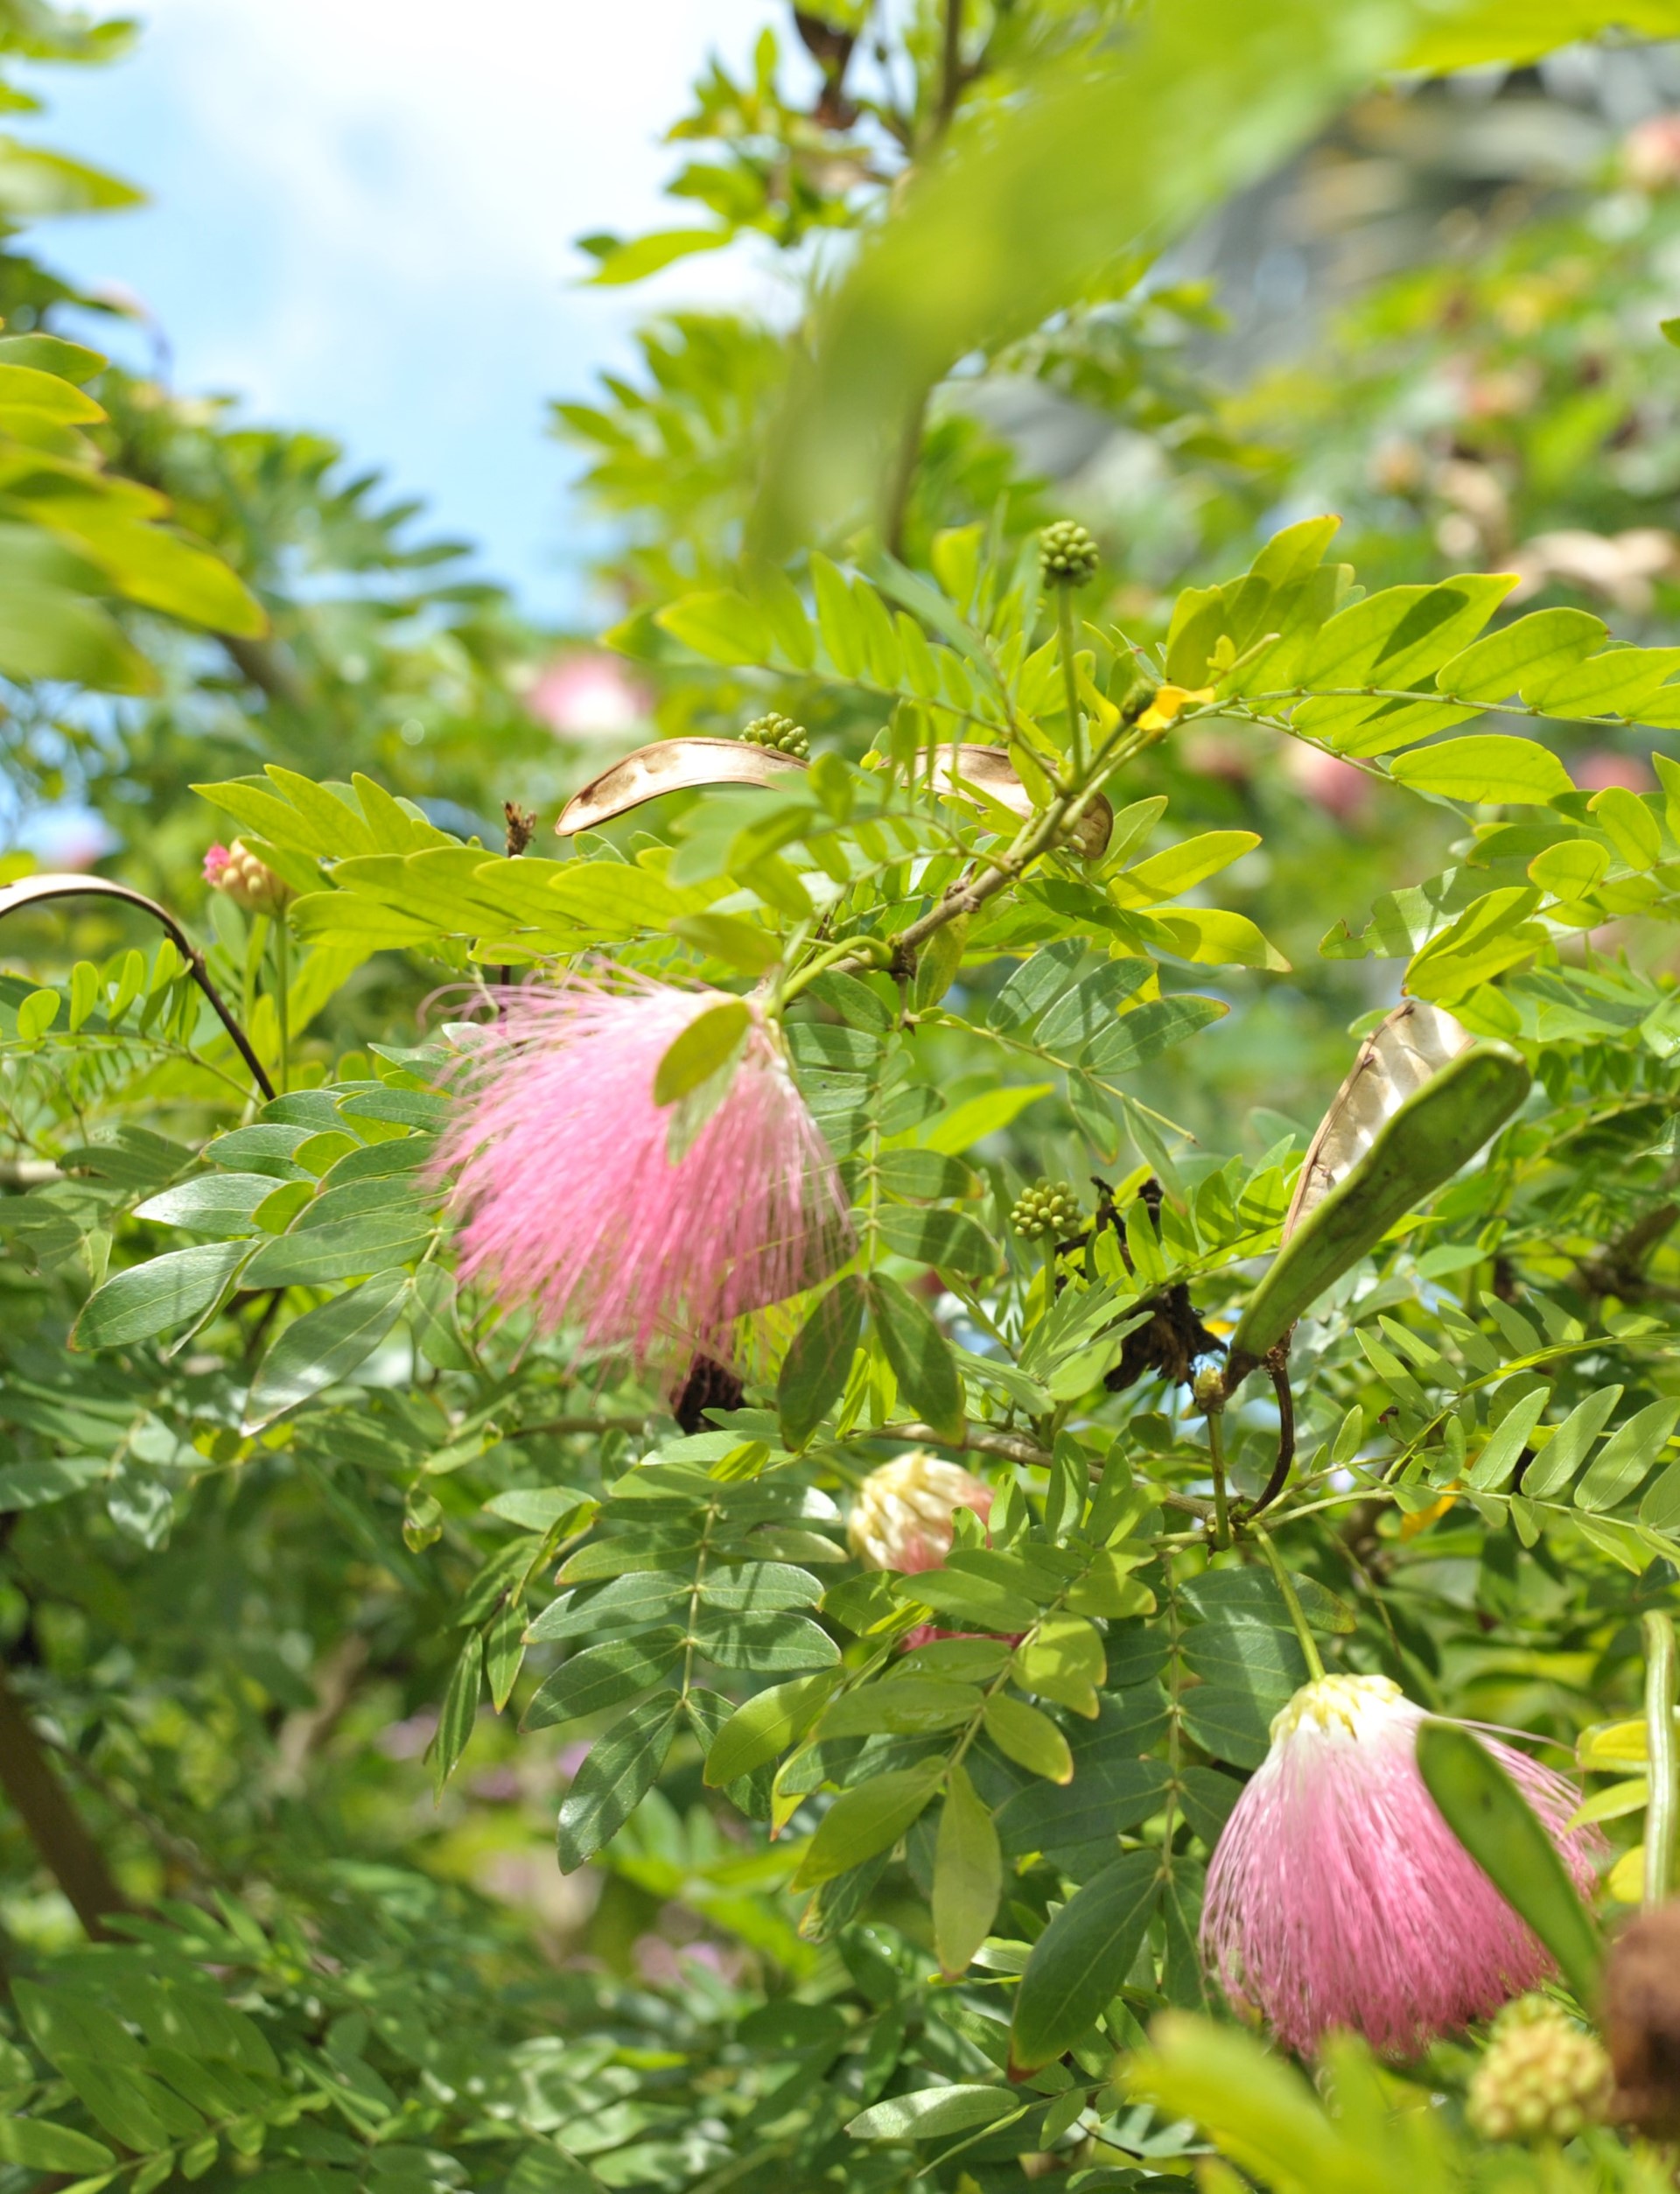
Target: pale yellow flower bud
{"points": [[902, 1518]]}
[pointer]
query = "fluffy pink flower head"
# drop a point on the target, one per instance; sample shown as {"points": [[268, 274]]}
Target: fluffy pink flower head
{"points": [[1339, 1897], [574, 1204]]}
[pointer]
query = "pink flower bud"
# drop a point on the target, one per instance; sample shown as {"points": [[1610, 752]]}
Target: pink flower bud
{"points": [[1338, 1896], [574, 1205], [237, 872]]}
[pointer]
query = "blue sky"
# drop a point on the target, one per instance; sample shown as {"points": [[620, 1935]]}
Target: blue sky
{"points": [[361, 222]]}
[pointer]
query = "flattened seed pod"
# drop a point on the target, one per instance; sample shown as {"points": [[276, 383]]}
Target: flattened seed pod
{"points": [[687, 765]]}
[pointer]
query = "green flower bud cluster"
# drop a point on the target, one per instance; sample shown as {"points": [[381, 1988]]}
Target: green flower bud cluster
{"points": [[1050, 1211], [781, 734], [1068, 553], [1543, 2078]]}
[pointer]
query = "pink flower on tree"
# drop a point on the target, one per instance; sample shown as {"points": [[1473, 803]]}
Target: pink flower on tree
{"points": [[575, 1206], [1339, 1897]]}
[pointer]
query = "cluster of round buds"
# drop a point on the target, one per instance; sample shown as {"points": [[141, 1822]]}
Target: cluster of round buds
{"points": [[780, 733], [1068, 553], [902, 1518], [1049, 1211], [235, 871], [1543, 2078]]}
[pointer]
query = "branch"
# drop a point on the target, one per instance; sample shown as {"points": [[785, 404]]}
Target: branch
{"points": [[36, 890], [55, 1828], [978, 1440], [262, 664], [1615, 1270]]}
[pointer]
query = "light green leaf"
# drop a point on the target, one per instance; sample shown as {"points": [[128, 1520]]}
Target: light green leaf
{"points": [[868, 1819], [1029, 1738], [324, 1346], [758, 1732], [933, 2112], [1488, 767]]}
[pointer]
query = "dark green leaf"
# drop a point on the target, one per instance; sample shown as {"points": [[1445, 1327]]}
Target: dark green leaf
{"points": [[324, 1346], [920, 1355], [622, 1767], [604, 1676], [815, 1371], [149, 1299], [1079, 1962]]}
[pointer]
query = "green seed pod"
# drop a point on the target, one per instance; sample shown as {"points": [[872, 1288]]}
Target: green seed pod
{"points": [[1068, 553], [780, 733]]}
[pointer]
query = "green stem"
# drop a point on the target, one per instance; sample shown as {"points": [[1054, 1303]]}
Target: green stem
{"points": [[1070, 682], [1291, 1599], [283, 996], [1664, 1807], [1216, 1458], [877, 950]]}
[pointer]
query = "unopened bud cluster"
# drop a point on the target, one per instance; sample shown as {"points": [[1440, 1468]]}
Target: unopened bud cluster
{"points": [[780, 733], [1045, 1212], [1543, 2078], [901, 1518], [235, 871], [1069, 554]]}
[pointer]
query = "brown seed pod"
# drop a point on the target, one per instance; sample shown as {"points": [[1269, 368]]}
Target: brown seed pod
{"points": [[686, 765], [1394, 1063], [670, 765], [1642, 2021]]}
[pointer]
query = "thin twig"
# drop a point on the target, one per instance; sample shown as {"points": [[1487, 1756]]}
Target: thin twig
{"points": [[37, 890]]}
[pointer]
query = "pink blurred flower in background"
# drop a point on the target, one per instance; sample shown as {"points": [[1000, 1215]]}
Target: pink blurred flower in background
{"points": [[1339, 1897], [574, 1204], [1603, 768], [1328, 782], [1650, 153], [587, 695]]}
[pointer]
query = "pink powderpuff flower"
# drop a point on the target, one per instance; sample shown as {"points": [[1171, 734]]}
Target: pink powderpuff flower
{"points": [[1339, 1897], [574, 1204]]}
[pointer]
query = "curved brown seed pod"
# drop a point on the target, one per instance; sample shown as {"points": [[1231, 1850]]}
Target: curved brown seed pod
{"points": [[686, 765], [1415, 1042], [670, 765]]}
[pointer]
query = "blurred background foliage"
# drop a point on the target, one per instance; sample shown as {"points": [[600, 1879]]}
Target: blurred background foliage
{"points": [[1440, 318]]}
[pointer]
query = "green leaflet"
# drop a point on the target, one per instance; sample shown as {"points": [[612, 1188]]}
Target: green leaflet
{"points": [[1501, 1831], [1080, 1961]]}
